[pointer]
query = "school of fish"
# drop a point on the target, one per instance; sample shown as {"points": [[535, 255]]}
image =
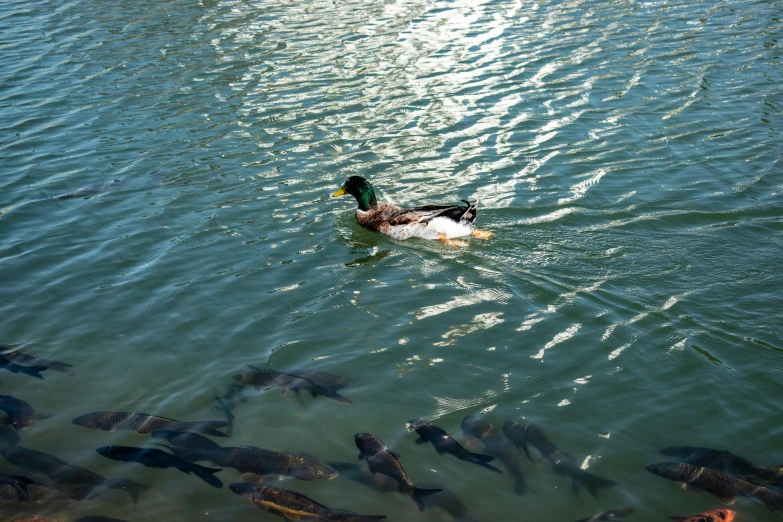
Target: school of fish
{"points": [[183, 445]]}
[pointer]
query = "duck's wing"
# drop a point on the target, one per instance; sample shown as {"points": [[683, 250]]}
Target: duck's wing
{"points": [[427, 213]]}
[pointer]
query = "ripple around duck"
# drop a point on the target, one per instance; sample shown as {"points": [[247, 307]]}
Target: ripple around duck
{"points": [[623, 156]]}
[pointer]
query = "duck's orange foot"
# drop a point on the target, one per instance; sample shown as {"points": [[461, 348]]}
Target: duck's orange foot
{"points": [[481, 234], [453, 243]]}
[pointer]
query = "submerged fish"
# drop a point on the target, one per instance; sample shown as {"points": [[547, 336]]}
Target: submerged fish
{"points": [[724, 461], [445, 443], [9, 436], [719, 483], [32, 371], [21, 358], [530, 435], [259, 461], [381, 460], [292, 505], [715, 515], [291, 382], [63, 473], [145, 424], [155, 458], [20, 413], [15, 483], [496, 445], [185, 439], [91, 190], [34, 492], [445, 499], [228, 403], [612, 514]]}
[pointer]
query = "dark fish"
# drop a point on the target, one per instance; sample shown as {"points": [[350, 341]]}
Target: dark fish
{"points": [[714, 515], [185, 439], [291, 505], [9, 436], [20, 413], [145, 424], [17, 483], [228, 403], [91, 190], [496, 445], [32, 371], [612, 514], [98, 518], [724, 461], [445, 499], [526, 435], [290, 382], [61, 472], [327, 380], [259, 461], [718, 483], [445, 443], [155, 458], [39, 493], [21, 358], [381, 460]]}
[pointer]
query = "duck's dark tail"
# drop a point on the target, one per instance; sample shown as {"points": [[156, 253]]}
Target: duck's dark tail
{"points": [[470, 212]]}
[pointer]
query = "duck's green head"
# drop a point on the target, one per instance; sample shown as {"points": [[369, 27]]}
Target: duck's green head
{"points": [[361, 189]]}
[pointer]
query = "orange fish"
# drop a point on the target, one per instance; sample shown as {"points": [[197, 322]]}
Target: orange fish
{"points": [[715, 515]]}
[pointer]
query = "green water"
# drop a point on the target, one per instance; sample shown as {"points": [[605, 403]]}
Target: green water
{"points": [[627, 156]]}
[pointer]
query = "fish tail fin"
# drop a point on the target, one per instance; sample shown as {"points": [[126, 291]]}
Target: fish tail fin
{"points": [[32, 371], [342, 399], [133, 489], [591, 483], [415, 495], [206, 474], [483, 461], [210, 428]]}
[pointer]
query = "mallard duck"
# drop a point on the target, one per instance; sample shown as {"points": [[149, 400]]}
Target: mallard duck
{"points": [[429, 221]]}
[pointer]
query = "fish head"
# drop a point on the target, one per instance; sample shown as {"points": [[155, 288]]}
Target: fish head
{"points": [[475, 425], [416, 424], [368, 443], [308, 469], [88, 420], [675, 471], [23, 420]]}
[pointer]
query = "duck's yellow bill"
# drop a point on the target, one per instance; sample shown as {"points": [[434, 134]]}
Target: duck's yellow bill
{"points": [[339, 192]]}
